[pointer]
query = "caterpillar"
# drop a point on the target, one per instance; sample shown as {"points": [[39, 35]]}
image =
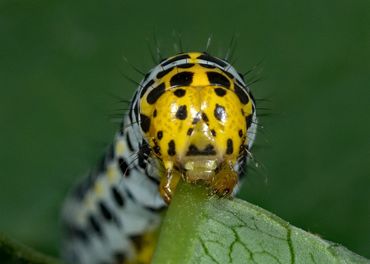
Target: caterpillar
{"points": [[192, 118]]}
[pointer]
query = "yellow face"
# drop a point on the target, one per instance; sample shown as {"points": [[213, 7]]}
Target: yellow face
{"points": [[195, 118]]}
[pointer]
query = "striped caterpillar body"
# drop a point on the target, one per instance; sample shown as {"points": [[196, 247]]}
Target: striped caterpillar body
{"points": [[192, 118]]}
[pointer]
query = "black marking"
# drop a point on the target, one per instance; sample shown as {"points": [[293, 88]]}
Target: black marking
{"points": [[171, 148], [145, 88], [229, 146], [147, 76], [105, 211], [229, 74], [213, 132], [119, 257], [144, 123], [216, 78], [74, 231], [136, 111], [160, 134], [163, 73], [241, 76], [209, 58], [155, 113], [155, 93], [190, 131], [129, 144], [240, 133], [179, 92], [220, 113], [208, 66], [157, 150], [220, 92], [123, 166], [182, 79], [194, 151], [181, 112], [185, 65], [143, 155], [117, 196], [122, 127], [249, 119], [241, 93], [179, 57], [205, 117], [95, 225]]}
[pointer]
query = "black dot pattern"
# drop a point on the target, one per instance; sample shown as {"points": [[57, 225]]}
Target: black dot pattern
{"points": [[171, 148], [216, 78], [144, 123], [242, 95], [179, 92], [155, 93], [229, 146], [220, 92], [182, 79], [181, 112], [160, 134]]}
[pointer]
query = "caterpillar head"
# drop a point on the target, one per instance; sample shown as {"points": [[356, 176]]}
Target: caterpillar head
{"points": [[198, 120]]}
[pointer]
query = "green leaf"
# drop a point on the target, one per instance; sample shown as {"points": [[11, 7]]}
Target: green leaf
{"points": [[12, 252], [200, 229]]}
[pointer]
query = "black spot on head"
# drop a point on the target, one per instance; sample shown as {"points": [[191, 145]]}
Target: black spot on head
{"points": [[95, 225], [220, 113], [229, 146], [145, 88], [249, 119], [213, 132], [179, 57], [194, 151], [163, 73], [179, 92], [157, 150], [208, 66], [216, 78], [242, 94], [240, 133], [155, 93], [104, 210], [220, 92], [209, 58], [171, 148], [160, 134], [144, 123], [190, 131], [185, 65], [205, 117], [182, 79], [155, 113], [123, 166], [181, 112], [117, 197]]}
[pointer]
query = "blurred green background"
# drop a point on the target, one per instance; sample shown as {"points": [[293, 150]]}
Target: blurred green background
{"points": [[61, 74]]}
